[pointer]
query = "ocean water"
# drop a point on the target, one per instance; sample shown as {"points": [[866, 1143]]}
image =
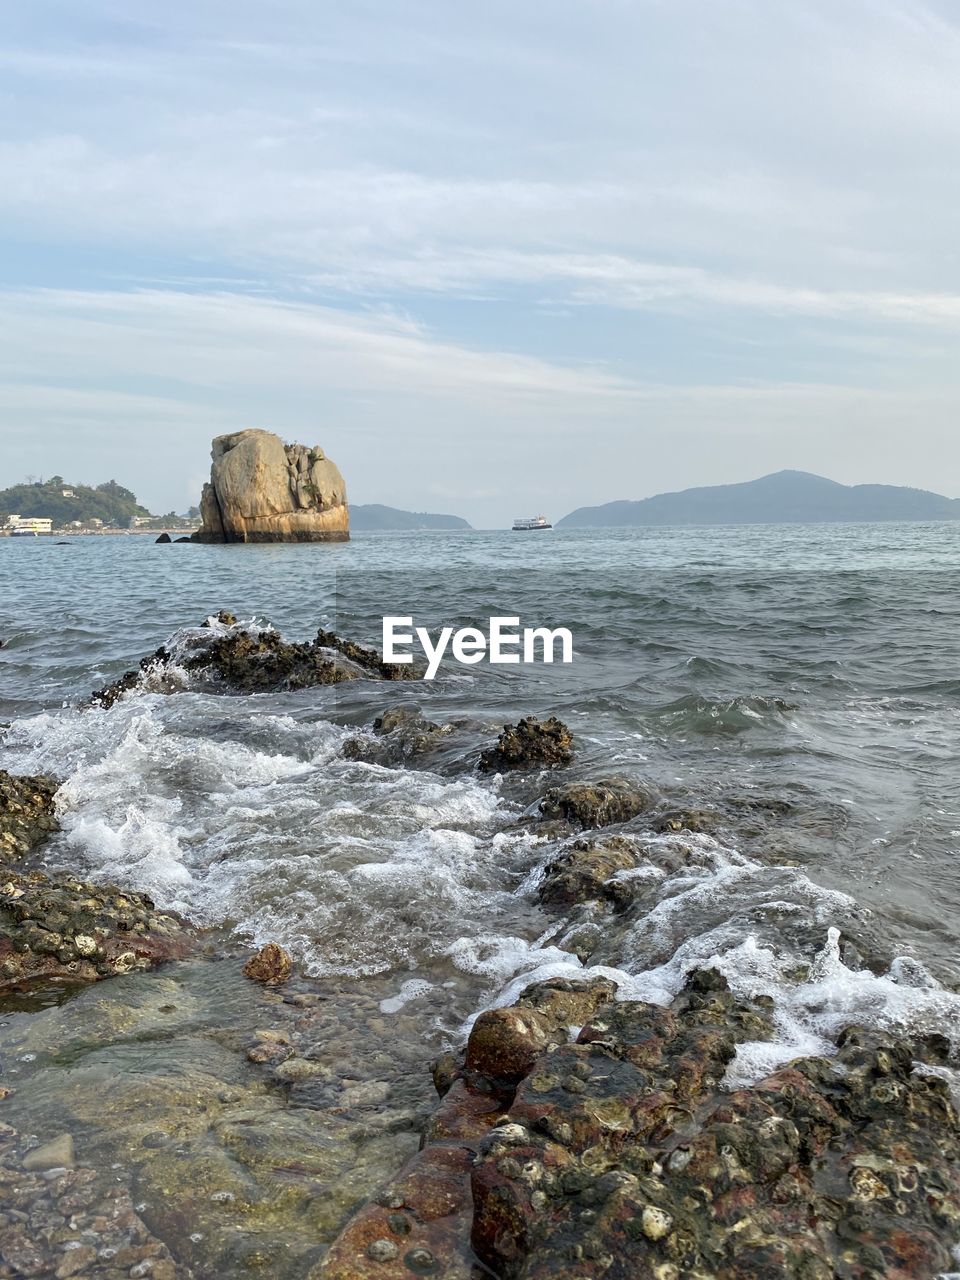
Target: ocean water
{"points": [[799, 683]]}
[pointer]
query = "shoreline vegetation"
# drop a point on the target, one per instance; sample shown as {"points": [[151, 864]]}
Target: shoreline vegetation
{"points": [[574, 1132]]}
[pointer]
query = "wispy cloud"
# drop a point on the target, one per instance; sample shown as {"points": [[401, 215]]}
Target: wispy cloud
{"points": [[597, 245]]}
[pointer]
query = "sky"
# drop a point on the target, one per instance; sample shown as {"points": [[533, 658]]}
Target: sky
{"points": [[494, 259]]}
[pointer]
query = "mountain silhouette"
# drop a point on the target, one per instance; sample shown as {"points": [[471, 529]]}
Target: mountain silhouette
{"points": [[785, 497]]}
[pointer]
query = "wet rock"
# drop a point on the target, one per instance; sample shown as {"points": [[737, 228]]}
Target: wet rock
{"points": [[596, 804], [367, 659], [401, 733], [530, 743], [26, 813], [270, 965], [241, 661], [56, 1154], [426, 1218], [155, 670], [696, 820], [584, 871], [622, 1155], [68, 930], [505, 1043], [164, 537]]}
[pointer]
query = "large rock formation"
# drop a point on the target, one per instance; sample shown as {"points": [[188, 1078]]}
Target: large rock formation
{"points": [[262, 490]]}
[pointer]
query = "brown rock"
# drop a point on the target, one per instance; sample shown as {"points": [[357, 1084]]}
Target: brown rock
{"points": [[261, 490], [26, 813], [595, 804], [505, 1043], [270, 965], [530, 744], [583, 871], [71, 931]]}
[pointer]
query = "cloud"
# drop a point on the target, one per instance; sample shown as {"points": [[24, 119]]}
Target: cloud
{"points": [[467, 243], [409, 416]]}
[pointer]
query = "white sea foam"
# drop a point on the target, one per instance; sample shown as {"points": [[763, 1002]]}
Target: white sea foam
{"points": [[256, 821], [412, 989]]}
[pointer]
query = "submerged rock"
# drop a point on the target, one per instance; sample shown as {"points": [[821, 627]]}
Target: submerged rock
{"points": [[596, 804], [531, 743], [58, 1221], [584, 872], [270, 965], [401, 733], [55, 1154], [67, 930], [26, 813], [261, 490]]}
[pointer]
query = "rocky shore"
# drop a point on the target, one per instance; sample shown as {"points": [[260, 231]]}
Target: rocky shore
{"points": [[580, 1136], [212, 1111]]}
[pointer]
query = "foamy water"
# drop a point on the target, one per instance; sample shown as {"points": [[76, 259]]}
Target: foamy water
{"points": [[821, 726]]}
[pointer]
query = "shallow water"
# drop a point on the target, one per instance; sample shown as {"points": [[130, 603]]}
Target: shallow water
{"points": [[802, 683]]}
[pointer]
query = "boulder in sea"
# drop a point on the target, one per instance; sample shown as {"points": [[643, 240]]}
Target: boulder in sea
{"points": [[586, 871], [530, 743], [262, 490], [164, 537], [399, 734], [237, 660]]}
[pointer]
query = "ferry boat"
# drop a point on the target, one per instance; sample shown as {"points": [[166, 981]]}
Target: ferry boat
{"points": [[531, 522], [24, 533]]}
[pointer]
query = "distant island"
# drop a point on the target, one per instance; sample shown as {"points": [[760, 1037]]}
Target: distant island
{"points": [[376, 516], [70, 507], [786, 497]]}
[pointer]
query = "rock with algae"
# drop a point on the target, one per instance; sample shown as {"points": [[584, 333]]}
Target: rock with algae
{"points": [[400, 734], [271, 965]]}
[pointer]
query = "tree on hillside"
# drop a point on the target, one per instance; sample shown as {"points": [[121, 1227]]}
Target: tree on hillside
{"points": [[110, 502]]}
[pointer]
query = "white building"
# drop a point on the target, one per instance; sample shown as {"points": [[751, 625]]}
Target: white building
{"points": [[30, 524]]}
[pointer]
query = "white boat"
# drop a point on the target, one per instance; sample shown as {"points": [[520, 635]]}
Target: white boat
{"points": [[524, 525], [24, 533]]}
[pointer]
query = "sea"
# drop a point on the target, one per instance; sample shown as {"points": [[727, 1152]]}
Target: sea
{"points": [[799, 685]]}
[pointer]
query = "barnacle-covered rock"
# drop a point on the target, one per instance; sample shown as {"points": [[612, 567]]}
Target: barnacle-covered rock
{"points": [[400, 734], [71, 931], [242, 660], [584, 872], [621, 1153], [26, 813], [530, 743]]}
